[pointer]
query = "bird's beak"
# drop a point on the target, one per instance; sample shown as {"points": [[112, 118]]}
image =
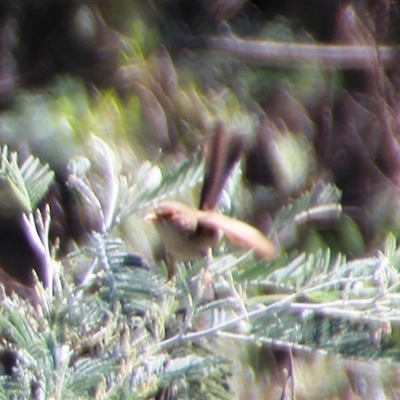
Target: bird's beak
{"points": [[150, 217]]}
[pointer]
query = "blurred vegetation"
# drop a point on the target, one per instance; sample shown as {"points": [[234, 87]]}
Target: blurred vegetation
{"points": [[105, 109]]}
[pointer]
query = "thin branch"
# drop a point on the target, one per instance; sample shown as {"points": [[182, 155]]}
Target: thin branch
{"points": [[270, 53], [181, 338], [279, 344]]}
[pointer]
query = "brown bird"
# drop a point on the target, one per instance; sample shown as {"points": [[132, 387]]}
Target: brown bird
{"points": [[188, 233]]}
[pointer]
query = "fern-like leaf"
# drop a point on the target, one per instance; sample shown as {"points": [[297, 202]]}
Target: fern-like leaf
{"points": [[141, 196], [22, 187]]}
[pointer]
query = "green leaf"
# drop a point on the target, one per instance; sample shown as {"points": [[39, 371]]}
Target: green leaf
{"points": [[22, 188]]}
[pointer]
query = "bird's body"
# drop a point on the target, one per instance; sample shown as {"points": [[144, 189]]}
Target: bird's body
{"points": [[189, 233], [184, 238]]}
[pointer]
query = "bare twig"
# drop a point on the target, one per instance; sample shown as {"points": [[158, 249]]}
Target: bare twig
{"points": [[270, 53], [181, 338]]}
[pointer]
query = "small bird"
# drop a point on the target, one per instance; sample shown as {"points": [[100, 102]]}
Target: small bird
{"points": [[188, 233]]}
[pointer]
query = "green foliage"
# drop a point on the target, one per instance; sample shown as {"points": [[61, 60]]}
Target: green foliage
{"points": [[123, 332], [151, 187], [109, 326], [101, 338], [23, 187]]}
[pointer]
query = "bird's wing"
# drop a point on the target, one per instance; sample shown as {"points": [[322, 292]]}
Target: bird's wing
{"points": [[239, 233], [221, 154]]}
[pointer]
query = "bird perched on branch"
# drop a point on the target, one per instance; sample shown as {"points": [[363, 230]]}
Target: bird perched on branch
{"points": [[188, 233]]}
